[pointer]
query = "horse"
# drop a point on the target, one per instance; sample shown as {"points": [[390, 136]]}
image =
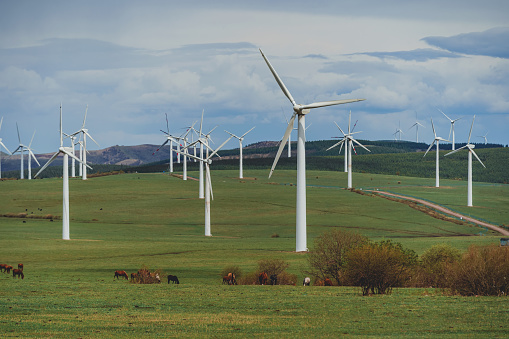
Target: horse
{"points": [[273, 279], [134, 276], [121, 274], [230, 279], [262, 278], [8, 268], [307, 281], [327, 282], [173, 278], [18, 272], [20, 267], [2, 267], [225, 280]]}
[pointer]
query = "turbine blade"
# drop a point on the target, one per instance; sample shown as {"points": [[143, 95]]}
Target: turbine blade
{"points": [[243, 135], [283, 143], [88, 135], [433, 126], [75, 158], [340, 129], [1, 120], [329, 103], [201, 122], [30, 144], [164, 143], [429, 148], [2, 144], [19, 139], [336, 144], [233, 135], [278, 80], [217, 149], [33, 156], [209, 179], [85, 119], [53, 157], [358, 143], [456, 150], [167, 125], [445, 115], [470, 134], [476, 156]]}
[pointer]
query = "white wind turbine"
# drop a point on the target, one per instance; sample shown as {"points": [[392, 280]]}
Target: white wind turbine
{"points": [[241, 138], [484, 137], [416, 125], [348, 141], [289, 136], [470, 152], [208, 181], [300, 112], [30, 156], [2, 145], [66, 152], [398, 130], [183, 137], [84, 133], [20, 149], [73, 162], [436, 141], [203, 140], [452, 128], [169, 138]]}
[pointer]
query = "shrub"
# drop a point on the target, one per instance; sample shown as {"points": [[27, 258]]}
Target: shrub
{"points": [[482, 271], [378, 267], [328, 256], [272, 266], [435, 266], [145, 276]]}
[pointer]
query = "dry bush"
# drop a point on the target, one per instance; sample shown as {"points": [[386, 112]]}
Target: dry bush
{"points": [[327, 258], [272, 266], [482, 271], [285, 278], [145, 276], [378, 267], [435, 266], [248, 279]]}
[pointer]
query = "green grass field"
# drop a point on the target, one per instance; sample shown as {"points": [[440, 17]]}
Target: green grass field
{"points": [[126, 221]]}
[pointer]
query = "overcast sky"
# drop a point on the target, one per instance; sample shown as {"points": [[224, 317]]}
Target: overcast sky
{"points": [[131, 62]]}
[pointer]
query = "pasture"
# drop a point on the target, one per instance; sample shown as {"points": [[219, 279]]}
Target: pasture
{"points": [[124, 222]]}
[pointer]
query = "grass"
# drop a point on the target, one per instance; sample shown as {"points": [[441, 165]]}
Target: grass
{"points": [[128, 221]]}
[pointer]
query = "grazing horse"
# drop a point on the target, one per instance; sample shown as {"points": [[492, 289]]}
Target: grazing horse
{"points": [[134, 276], [225, 280], [230, 279], [173, 278], [18, 272], [273, 279], [8, 268], [327, 282], [307, 281], [2, 267], [121, 274], [262, 278], [20, 267]]}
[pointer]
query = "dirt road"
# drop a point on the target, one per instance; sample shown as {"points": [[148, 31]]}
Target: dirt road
{"points": [[447, 211]]}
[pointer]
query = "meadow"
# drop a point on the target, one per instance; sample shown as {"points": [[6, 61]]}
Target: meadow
{"points": [[127, 221]]}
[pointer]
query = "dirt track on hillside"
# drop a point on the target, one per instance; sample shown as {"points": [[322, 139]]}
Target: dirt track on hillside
{"points": [[447, 211]]}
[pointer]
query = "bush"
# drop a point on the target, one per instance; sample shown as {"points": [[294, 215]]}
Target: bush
{"points": [[482, 271], [272, 266], [435, 266], [327, 258], [378, 267]]}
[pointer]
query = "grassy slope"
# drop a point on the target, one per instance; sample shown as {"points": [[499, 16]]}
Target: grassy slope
{"points": [[156, 220]]}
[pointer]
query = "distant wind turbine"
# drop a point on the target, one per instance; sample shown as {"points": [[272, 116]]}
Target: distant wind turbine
{"points": [[470, 152], [169, 138], [348, 141], [20, 149], [2, 145], [31, 156], [416, 125], [484, 137], [435, 141], [452, 128], [398, 130], [300, 112], [84, 133], [66, 152], [241, 138]]}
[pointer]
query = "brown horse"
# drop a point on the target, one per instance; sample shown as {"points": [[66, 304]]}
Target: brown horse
{"points": [[20, 267], [121, 274], [262, 278], [2, 267], [8, 268], [134, 276], [230, 279], [327, 282], [18, 272]]}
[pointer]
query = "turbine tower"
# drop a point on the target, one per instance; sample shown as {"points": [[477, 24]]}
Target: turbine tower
{"points": [[300, 112], [348, 141], [470, 152], [30, 156], [66, 152], [435, 141], [452, 128], [241, 138], [2, 145]]}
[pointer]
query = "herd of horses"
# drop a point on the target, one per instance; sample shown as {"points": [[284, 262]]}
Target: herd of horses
{"points": [[144, 276], [16, 272]]}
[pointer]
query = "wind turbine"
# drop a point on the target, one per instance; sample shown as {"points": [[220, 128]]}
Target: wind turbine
{"points": [[208, 181], [452, 128], [398, 130], [203, 139], [470, 152], [241, 138], [417, 124], [73, 162], [300, 112], [435, 141], [31, 155], [20, 149], [289, 136], [484, 137], [183, 137], [348, 141], [169, 138], [84, 133], [2, 145], [66, 152]]}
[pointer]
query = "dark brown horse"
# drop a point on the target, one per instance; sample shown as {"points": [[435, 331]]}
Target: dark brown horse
{"points": [[8, 268], [173, 278], [2, 267], [121, 274], [20, 267], [18, 272], [327, 282]]}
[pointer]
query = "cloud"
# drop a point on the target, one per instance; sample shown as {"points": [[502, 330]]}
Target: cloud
{"points": [[493, 42], [423, 54]]}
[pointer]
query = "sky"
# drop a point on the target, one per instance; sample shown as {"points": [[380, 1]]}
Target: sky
{"points": [[131, 62]]}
